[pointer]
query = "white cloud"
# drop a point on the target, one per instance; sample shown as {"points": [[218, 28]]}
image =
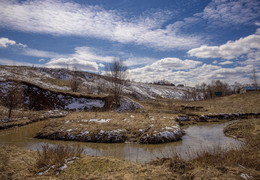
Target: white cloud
{"points": [[222, 13], [68, 18], [84, 58], [226, 62], [39, 53], [91, 54], [72, 62], [252, 59], [215, 62], [133, 61], [195, 73], [227, 12], [166, 68], [16, 63], [230, 50], [5, 42], [175, 64]]}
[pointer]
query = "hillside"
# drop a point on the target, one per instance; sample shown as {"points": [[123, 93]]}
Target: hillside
{"points": [[59, 80]]}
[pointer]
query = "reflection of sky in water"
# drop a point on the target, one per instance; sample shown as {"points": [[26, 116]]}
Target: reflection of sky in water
{"points": [[197, 138]]}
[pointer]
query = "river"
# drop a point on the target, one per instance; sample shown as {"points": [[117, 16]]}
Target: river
{"points": [[197, 138]]}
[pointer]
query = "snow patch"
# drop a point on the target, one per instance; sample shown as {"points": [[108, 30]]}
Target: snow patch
{"points": [[100, 120], [84, 103], [245, 176], [127, 105]]}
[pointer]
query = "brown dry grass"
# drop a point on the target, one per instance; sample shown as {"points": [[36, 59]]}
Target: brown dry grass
{"points": [[110, 168], [16, 163], [50, 160], [57, 82], [236, 103], [132, 123], [22, 117], [20, 164]]}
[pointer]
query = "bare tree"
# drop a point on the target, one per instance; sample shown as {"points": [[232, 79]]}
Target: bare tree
{"points": [[117, 72], [237, 87], [74, 81], [13, 97], [254, 79]]}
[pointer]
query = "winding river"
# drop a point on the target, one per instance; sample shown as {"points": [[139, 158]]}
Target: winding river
{"points": [[198, 138]]}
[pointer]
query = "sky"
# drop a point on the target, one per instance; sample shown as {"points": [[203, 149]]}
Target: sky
{"points": [[184, 42]]}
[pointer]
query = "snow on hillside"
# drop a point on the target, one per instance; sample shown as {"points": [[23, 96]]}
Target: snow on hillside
{"points": [[92, 83], [144, 91], [40, 99]]}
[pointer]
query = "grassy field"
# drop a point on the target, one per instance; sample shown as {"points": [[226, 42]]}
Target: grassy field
{"points": [[236, 103]]}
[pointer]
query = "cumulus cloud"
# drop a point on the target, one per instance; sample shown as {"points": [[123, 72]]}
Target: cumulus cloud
{"points": [[5, 42], [68, 18], [228, 12], [72, 62], [230, 50], [189, 72], [91, 54], [84, 58], [163, 69]]}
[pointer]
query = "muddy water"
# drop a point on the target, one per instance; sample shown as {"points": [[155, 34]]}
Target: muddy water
{"points": [[198, 138]]}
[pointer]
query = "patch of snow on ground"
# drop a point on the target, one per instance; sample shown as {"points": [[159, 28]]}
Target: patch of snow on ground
{"points": [[83, 133], [127, 105], [75, 105], [245, 176], [84, 103], [99, 120], [63, 167]]}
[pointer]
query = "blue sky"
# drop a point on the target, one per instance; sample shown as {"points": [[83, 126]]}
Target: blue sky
{"points": [[188, 42]]}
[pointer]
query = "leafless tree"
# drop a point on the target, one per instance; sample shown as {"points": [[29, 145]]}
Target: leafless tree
{"points": [[254, 79], [74, 81], [117, 72], [237, 87], [13, 97]]}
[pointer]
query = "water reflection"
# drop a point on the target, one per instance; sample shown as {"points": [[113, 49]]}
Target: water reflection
{"points": [[198, 138]]}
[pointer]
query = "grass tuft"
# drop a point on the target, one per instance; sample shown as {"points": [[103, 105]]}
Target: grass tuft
{"points": [[51, 160]]}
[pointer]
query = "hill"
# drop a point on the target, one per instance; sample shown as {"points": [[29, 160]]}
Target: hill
{"points": [[59, 80]]}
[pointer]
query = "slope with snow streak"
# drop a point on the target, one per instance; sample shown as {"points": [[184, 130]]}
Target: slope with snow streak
{"points": [[92, 83]]}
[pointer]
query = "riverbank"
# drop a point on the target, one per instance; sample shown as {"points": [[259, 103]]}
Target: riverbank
{"points": [[22, 118], [21, 164], [110, 127], [242, 163]]}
